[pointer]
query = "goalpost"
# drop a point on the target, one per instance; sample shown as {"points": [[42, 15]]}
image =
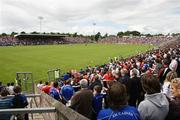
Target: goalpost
{"points": [[53, 74]]}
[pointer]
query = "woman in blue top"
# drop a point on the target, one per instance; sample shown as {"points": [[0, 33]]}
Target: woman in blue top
{"points": [[119, 110]]}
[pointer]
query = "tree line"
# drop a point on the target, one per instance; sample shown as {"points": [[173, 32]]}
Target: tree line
{"points": [[95, 37]]}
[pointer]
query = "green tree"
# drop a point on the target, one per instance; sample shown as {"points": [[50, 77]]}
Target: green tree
{"points": [[34, 32], [127, 33], [23, 32], [4, 34], [120, 34], [135, 33], [148, 35], [14, 33], [75, 34], [97, 36]]}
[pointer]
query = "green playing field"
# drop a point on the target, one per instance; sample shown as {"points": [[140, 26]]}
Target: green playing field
{"points": [[39, 59]]}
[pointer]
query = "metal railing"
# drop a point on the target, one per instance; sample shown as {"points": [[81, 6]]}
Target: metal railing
{"points": [[27, 95], [28, 110]]}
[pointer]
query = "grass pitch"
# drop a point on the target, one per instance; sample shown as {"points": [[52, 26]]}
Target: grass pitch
{"points": [[40, 59]]}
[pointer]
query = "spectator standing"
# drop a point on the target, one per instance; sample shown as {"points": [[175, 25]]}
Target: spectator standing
{"points": [[119, 110], [125, 79], [166, 88], [82, 100], [95, 82], [67, 91], [164, 71], [46, 88], [174, 107], [40, 85], [135, 89], [54, 91], [174, 64], [97, 99], [155, 106]]}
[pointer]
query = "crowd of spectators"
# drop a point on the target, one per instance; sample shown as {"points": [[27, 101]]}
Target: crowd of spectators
{"points": [[16, 100], [11, 41], [7, 41], [155, 40], [142, 87]]}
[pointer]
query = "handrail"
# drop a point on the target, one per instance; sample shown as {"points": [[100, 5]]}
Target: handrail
{"points": [[28, 110], [27, 95]]}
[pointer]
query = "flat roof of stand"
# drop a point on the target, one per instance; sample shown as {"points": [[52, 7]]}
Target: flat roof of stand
{"points": [[39, 35]]}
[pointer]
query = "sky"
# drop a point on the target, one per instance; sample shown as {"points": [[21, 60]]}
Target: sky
{"points": [[90, 16]]}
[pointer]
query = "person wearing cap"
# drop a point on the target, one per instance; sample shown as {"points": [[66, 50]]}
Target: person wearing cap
{"points": [[82, 100]]}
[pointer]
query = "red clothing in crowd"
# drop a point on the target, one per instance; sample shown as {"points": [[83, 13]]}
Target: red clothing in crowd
{"points": [[46, 89]]}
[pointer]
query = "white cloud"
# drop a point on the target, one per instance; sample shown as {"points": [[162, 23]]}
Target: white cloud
{"points": [[147, 16]]}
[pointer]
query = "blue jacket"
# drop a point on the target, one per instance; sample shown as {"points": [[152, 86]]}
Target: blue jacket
{"points": [[67, 92], [97, 102], [125, 113], [54, 93]]}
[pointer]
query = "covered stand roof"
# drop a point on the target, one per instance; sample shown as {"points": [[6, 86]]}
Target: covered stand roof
{"points": [[19, 36]]}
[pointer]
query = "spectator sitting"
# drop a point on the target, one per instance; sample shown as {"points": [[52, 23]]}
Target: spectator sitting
{"points": [[19, 101], [174, 105], [155, 106], [5, 103], [82, 100], [119, 110]]}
